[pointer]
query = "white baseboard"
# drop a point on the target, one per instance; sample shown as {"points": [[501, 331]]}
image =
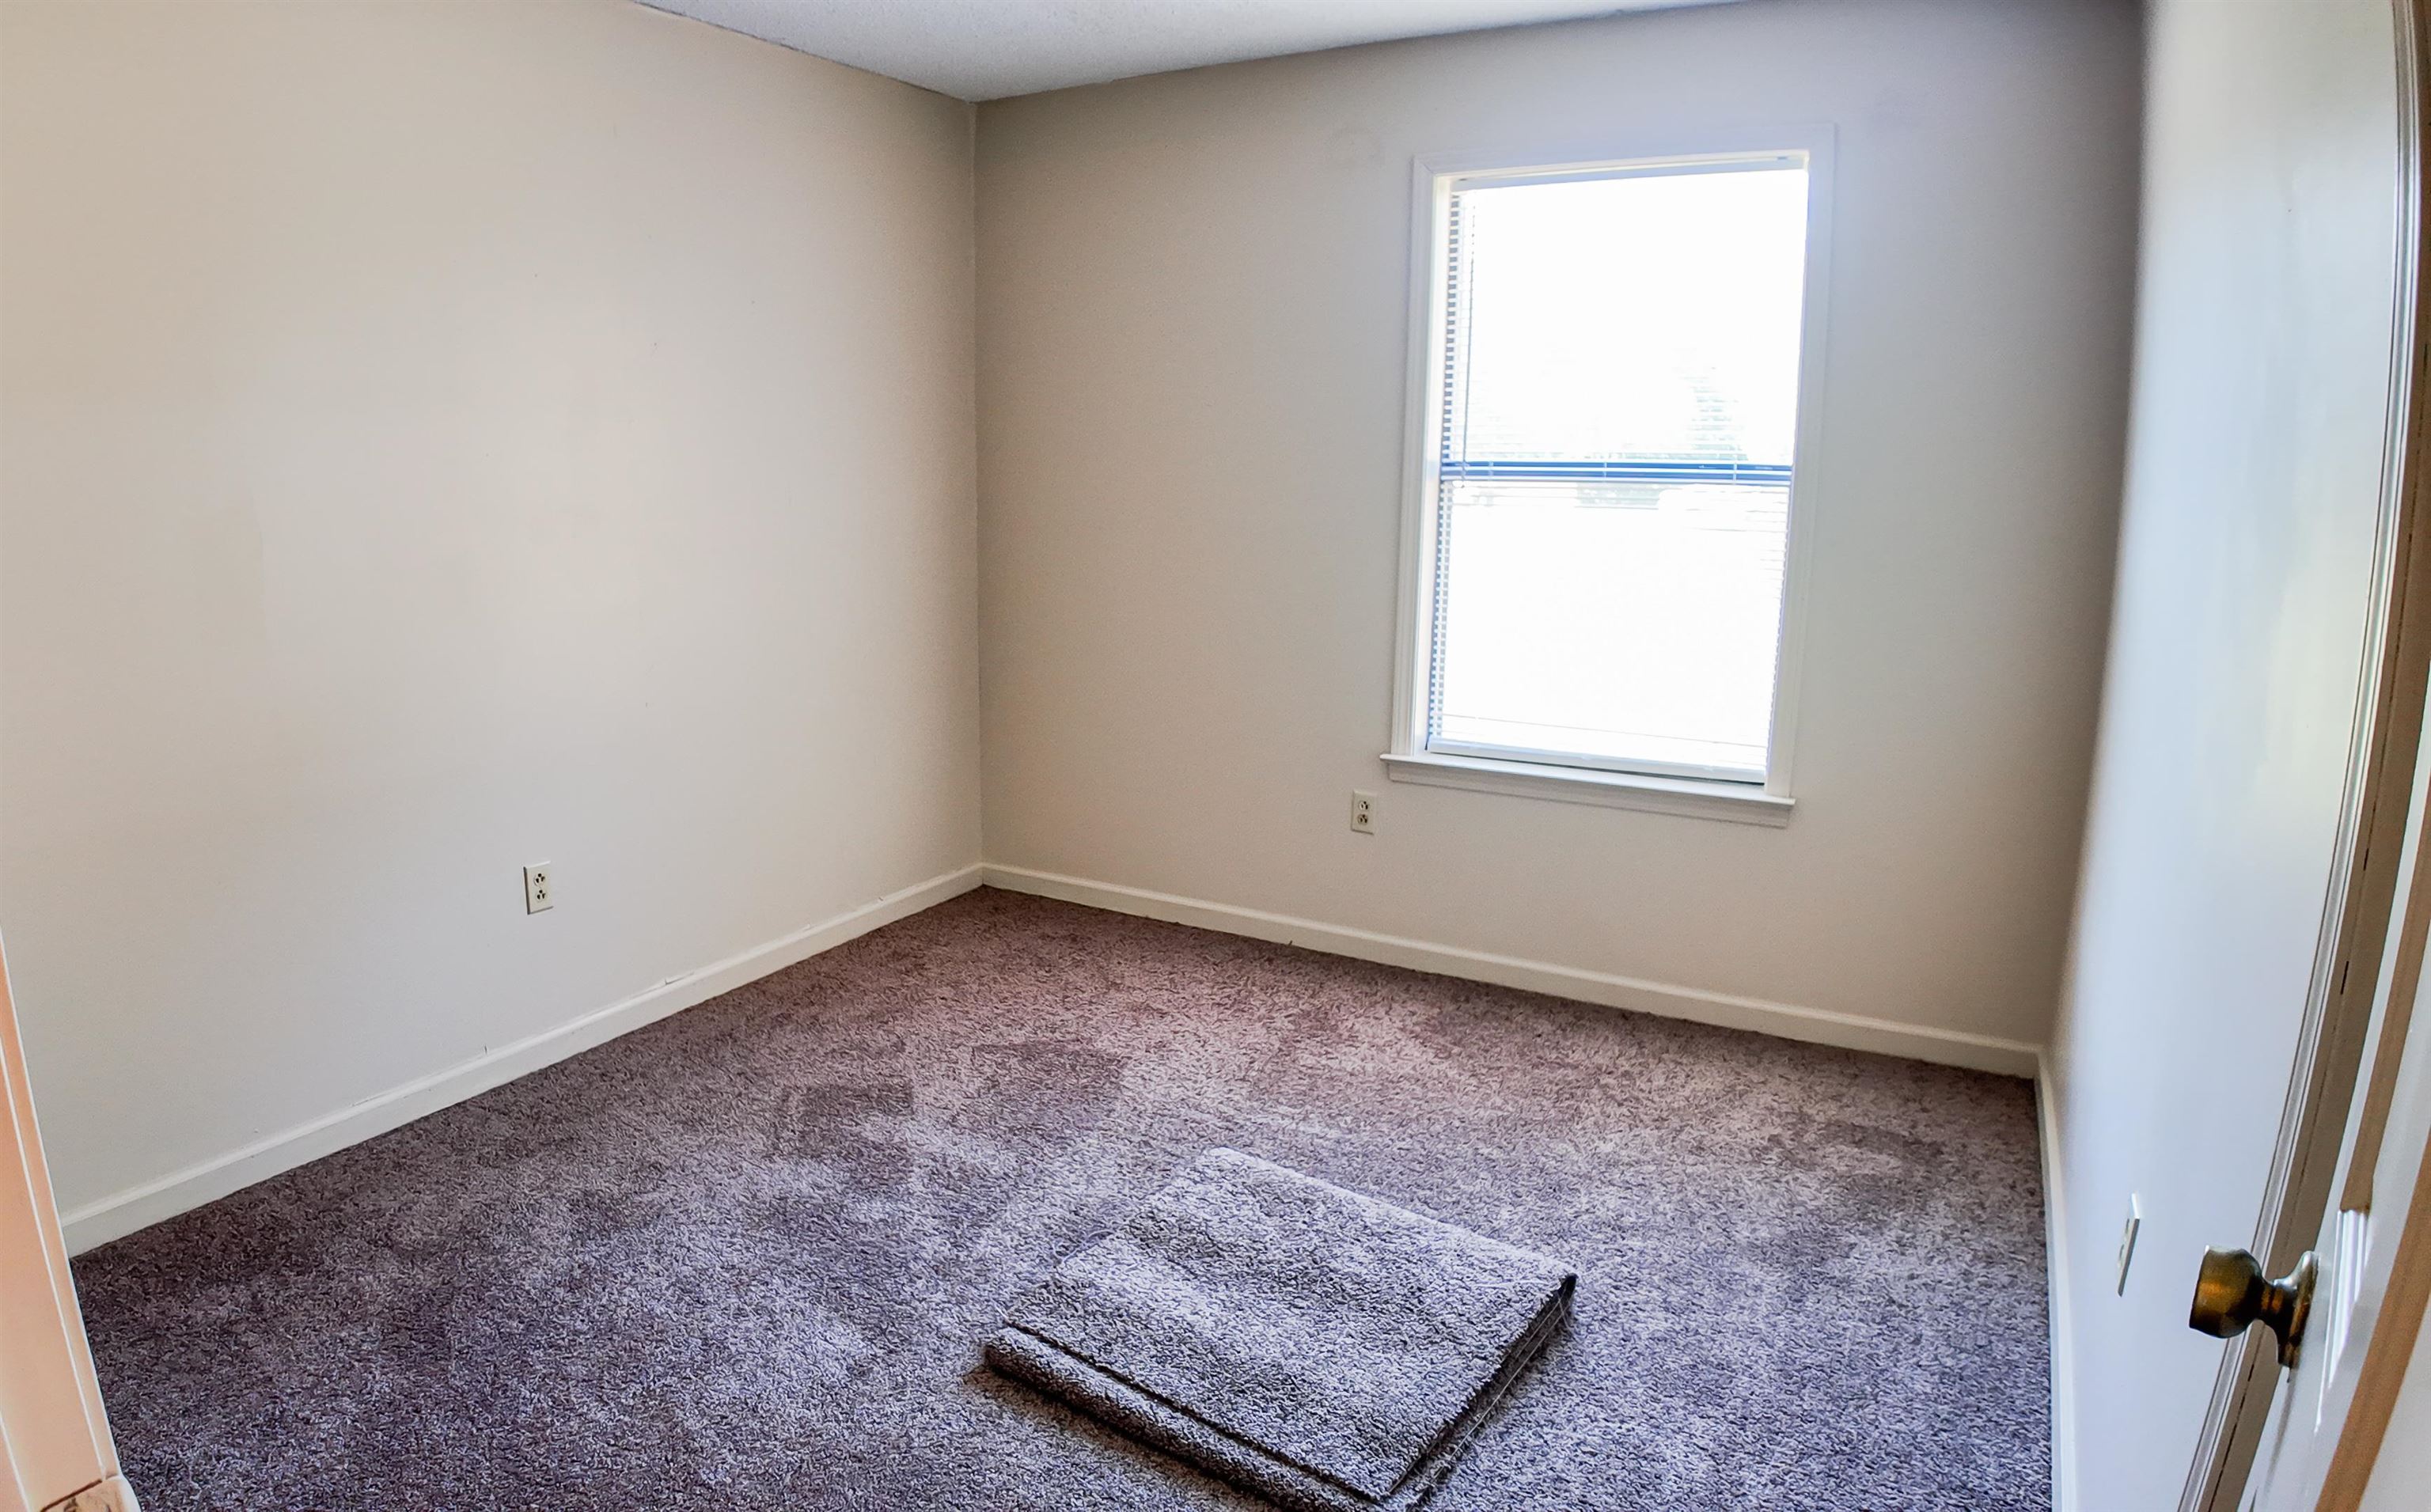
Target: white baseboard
{"points": [[2063, 1359], [1818, 1026], [140, 1206]]}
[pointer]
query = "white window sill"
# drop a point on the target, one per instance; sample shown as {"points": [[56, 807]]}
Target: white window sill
{"points": [[1732, 802]]}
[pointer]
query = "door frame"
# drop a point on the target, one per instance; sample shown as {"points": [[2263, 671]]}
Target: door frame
{"points": [[2335, 1466], [55, 1451], [2385, 739]]}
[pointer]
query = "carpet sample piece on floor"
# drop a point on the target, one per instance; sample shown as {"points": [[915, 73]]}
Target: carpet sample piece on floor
{"points": [[1328, 1351]]}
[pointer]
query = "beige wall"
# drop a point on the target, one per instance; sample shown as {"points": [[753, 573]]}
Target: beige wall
{"points": [[436, 437], [440, 436], [1193, 313]]}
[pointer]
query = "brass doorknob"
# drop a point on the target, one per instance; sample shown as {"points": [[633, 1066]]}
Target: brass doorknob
{"points": [[2232, 1295]]}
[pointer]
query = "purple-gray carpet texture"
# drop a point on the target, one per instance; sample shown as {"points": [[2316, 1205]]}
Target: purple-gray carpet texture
{"points": [[747, 1258]]}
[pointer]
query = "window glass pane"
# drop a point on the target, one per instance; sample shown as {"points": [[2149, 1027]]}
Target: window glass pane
{"points": [[1619, 403]]}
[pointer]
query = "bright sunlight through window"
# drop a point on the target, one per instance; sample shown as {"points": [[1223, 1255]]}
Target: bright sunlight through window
{"points": [[1614, 435]]}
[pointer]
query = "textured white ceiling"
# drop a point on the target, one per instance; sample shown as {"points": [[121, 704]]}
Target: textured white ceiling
{"points": [[987, 49]]}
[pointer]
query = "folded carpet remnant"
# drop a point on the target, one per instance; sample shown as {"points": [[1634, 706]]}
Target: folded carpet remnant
{"points": [[1327, 1351]]}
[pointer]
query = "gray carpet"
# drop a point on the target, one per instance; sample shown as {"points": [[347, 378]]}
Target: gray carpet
{"points": [[746, 1258], [1328, 1351]]}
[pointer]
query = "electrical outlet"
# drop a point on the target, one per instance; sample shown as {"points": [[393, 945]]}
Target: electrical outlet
{"points": [[1363, 813], [2127, 1239], [539, 888]]}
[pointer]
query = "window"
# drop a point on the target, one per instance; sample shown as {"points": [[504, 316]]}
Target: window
{"points": [[1601, 543]]}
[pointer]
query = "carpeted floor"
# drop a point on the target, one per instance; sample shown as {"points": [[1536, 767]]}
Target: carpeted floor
{"points": [[746, 1258]]}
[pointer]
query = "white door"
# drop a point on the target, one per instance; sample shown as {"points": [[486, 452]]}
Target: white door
{"points": [[2370, 1245], [2250, 780], [55, 1445]]}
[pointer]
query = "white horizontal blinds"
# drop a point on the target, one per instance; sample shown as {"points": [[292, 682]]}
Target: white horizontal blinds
{"points": [[1450, 444], [1618, 412]]}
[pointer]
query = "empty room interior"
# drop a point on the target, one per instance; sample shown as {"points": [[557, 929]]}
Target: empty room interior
{"points": [[1325, 754]]}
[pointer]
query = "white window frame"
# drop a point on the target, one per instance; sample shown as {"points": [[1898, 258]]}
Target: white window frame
{"points": [[1636, 786]]}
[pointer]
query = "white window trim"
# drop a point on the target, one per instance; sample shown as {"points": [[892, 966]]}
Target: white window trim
{"points": [[1408, 760]]}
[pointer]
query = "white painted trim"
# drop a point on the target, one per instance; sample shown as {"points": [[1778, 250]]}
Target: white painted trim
{"points": [[1817, 1026], [1738, 803], [1431, 176], [2063, 1357], [140, 1206]]}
